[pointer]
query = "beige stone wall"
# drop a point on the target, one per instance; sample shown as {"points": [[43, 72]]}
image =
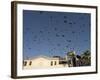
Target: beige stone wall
{"points": [[43, 63]]}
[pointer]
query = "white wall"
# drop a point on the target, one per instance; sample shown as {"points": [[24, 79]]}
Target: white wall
{"points": [[5, 44]]}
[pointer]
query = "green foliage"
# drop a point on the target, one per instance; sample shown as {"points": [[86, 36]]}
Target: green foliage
{"points": [[86, 58], [71, 54], [83, 60]]}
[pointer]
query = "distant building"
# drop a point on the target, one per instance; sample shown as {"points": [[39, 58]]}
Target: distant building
{"points": [[45, 62]]}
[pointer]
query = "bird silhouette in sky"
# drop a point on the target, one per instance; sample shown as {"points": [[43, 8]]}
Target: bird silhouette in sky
{"points": [[65, 21]]}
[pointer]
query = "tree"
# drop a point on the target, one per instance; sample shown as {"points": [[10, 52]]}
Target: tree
{"points": [[71, 54], [71, 58], [86, 58]]}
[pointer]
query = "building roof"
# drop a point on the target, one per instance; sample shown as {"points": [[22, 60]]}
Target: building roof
{"points": [[42, 56]]}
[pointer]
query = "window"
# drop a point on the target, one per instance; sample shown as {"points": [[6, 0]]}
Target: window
{"points": [[51, 63], [25, 63], [55, 62], [30, 63]]}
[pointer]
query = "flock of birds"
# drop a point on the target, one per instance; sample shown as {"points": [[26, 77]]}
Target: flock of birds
{"points": [[61, 35]]}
